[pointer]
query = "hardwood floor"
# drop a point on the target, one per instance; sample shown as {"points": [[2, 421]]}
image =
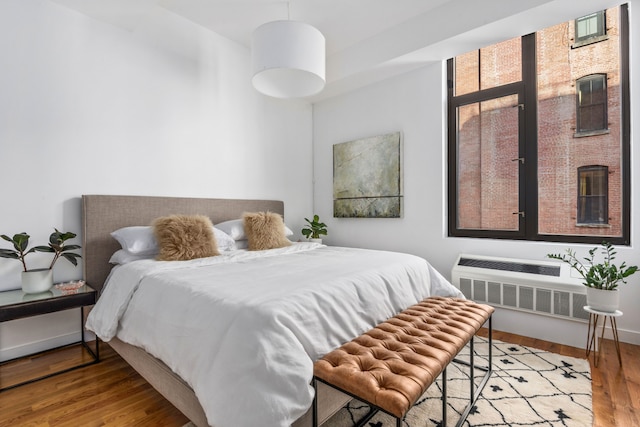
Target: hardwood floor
{"points": [[111, 393], [616, 389]]}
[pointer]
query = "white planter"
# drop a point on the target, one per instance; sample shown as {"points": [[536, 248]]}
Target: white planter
{"points": [[36, 281], [603, 300], [316, 241]]}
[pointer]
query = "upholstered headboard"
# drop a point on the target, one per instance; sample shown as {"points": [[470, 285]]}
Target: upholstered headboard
{"points": [[102, 214]]}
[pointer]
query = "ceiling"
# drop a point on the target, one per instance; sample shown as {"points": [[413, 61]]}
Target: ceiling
{"points": [[343, 22], [367, 40]]}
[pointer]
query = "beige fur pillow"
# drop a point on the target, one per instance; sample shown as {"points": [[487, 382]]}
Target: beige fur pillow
{"points": [[184, 237], [264, 230]]}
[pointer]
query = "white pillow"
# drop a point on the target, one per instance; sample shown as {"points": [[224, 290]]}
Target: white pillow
{"points": [[224, 241], [242, 244], [138, 239], [122, 256], [235, 229]]}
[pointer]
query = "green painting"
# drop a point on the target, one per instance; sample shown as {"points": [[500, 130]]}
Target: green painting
{"points": [[367, 177]]}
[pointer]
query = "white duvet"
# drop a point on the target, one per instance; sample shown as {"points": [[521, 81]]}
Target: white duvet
{"points": [[242, 329]]}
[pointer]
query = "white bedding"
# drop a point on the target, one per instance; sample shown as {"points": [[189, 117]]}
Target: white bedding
{"points": [[242, 329]]}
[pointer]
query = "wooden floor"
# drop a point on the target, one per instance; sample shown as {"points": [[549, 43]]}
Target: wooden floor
{"points": [[110, 393]]}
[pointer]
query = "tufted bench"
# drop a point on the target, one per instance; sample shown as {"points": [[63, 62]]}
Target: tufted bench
{"points": [[393, 364]]}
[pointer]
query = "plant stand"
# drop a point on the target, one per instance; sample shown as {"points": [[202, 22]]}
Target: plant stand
{"points": [[592, 336]]}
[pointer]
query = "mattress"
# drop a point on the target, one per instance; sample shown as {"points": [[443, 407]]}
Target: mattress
{"points": [[243, 328]]}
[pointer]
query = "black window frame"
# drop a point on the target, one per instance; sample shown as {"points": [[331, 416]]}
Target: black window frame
{"points": [[582, 216], [601, 24], [581, 127], [528, 190], [515, 88]]}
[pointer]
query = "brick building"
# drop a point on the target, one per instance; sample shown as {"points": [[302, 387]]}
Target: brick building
{"points": [[579, 123]]}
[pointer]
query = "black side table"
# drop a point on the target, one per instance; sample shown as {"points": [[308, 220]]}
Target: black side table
{"points": [[16, 305]]}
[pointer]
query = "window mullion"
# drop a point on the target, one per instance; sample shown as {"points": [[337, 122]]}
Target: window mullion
{"points": [[529, 137]]}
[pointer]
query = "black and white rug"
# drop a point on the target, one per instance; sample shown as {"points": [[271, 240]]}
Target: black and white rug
{"points": [[528, 387]]}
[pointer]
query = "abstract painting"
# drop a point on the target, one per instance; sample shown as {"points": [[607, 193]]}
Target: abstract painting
{"points": [[367, 177]]}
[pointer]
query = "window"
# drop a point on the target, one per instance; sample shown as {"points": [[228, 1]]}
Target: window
{"points": [[523, 116], [592, 103], [592, 195], [590, 26]]}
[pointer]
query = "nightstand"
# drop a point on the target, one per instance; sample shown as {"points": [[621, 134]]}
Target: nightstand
{"points": [[17, 305]]}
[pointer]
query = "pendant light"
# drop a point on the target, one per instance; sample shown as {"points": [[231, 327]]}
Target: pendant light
{"points": [[288, 59]]}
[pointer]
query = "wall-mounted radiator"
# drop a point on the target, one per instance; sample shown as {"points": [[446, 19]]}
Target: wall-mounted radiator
{"points": [[541, 287]]}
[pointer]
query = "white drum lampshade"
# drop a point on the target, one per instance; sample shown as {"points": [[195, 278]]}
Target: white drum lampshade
{"points": [[288, 59]]}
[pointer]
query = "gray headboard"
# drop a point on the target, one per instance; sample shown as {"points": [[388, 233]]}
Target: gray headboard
{"points": [[102, 214]]}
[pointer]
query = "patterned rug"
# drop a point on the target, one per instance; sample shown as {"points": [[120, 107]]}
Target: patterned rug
{"points": [[528, 387]]}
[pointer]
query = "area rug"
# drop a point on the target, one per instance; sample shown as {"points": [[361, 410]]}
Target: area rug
{"points": [[528, 387]]}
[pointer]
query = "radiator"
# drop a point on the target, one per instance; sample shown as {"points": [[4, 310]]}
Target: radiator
{"points": [[541, 287]]}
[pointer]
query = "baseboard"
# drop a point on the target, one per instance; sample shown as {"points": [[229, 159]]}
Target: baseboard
{"points": [[625, 335], [562, 331], [42, 345]]}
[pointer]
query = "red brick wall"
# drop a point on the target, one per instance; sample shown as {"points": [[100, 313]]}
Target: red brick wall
{"points": [[487, 180], [560, 152]]}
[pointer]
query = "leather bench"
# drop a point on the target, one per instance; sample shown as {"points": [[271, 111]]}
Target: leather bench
{"points": [[392, 365]]}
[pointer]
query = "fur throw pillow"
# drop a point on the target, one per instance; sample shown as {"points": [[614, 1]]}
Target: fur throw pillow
{"points": [[184, 237], [264, 230]]}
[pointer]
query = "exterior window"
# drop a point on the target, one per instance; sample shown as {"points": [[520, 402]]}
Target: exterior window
{"points": [[592, 103], [590, 26], [527, 114], [593, 183]]}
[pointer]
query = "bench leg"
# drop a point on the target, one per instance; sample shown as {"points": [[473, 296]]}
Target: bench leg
{"points": [[490, 345], [367, 417], [476, 391], [471, 368], [444, 397], [314, 406]]}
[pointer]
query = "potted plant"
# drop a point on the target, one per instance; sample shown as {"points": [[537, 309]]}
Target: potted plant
{"points": [[600, 278], [314, 229], [41, 279]]}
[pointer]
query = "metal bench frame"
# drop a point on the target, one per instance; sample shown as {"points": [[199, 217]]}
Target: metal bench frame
{"points": [[474, 392]]}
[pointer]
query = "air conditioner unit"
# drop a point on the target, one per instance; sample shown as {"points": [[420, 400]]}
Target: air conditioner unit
{"points": [[540, 287]]}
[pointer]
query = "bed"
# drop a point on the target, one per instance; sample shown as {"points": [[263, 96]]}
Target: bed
{"points": [[103, 214]]}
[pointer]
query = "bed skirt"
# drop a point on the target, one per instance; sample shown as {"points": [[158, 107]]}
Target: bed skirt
{"points": [[178, 392]]}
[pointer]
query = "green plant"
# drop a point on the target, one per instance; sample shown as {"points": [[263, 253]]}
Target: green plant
{"points": [[601, 275], [314, 228], [57, 246]]}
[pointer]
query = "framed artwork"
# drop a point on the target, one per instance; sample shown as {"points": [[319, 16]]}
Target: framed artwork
{"points": [[367, 177]]}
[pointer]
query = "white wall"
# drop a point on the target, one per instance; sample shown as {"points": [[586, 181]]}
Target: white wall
{"points": [[415, 104], [168, 109]]}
